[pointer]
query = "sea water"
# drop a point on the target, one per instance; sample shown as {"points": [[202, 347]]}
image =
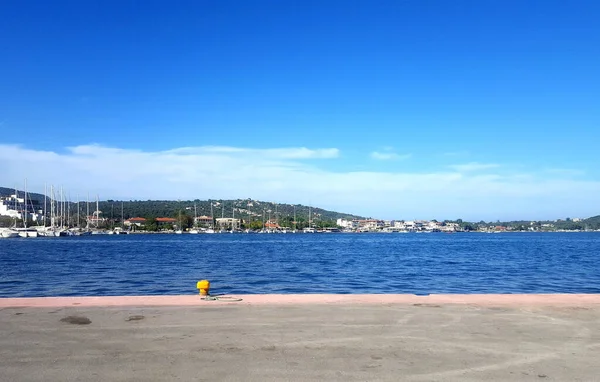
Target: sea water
{"points": [[164, 264]]}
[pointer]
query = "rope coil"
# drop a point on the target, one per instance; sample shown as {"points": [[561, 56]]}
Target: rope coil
{"points": [[221, 298]]}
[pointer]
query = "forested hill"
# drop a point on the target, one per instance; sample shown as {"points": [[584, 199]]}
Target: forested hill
{"points": [[242, 208], [247, 209], [4, 191], [595, 220]]}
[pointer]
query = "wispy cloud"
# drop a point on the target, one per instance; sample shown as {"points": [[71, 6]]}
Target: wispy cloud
{"points": [[297, 175], [278, 153], [389, 155], [473, 166], [565, 171]]}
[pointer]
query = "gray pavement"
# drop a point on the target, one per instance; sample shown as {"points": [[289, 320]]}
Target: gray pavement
{"points": [[301, 343]]}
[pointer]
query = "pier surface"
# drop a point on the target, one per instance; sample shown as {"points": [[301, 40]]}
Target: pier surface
{"points": [[302, 338]]}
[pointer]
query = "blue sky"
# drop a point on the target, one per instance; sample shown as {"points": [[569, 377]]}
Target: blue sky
{"points": [[400, 109]]}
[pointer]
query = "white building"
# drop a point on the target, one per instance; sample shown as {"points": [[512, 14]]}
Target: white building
{"points": [[344, 223], [228, 223], [13, 207], [370, 224], [9, 206], [434, 226], [399, 224], [451, 227]]}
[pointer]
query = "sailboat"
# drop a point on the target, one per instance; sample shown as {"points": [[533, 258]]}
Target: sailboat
{"points": [[121, 230], [195, 230], [233, 229], [211, 229], [309, 229], [11, 232], [96, 217], [51, 230], [221, 229], [81, 231], [25, 232], [179, 231], [8, 233], [294, 230]]}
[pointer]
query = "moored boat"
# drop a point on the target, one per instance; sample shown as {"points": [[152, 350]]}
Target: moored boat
{"points": [[7, 233], [26, 232]]}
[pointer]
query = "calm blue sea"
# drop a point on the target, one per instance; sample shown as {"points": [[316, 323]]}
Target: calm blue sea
{"points": [[105, 265]]}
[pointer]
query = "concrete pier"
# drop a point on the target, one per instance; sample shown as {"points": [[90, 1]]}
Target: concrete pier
{"points": [[302, 338]]}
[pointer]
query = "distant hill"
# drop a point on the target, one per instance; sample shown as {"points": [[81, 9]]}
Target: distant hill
{"points": [[594, 219], [247, 209], [11, 191]]}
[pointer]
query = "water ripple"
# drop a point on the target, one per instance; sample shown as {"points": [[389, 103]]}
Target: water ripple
{"points": [[333, 263]]}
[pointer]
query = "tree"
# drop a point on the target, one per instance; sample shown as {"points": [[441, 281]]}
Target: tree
{"points": [[184, 220], [255, 225], [151, 225], [469, 227]]}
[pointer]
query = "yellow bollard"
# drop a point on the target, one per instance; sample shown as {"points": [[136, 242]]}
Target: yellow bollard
{"points": [[203, 286]]}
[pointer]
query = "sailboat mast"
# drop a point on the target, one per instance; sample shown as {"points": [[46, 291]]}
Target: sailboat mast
{"points": [[52, 206], [25, 205], [97, 210], [45, 196], [62, 209], [87, 216], [68, 206]]}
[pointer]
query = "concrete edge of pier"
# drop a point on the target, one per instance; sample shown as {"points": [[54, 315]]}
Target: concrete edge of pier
{"points": [[298, 299]]}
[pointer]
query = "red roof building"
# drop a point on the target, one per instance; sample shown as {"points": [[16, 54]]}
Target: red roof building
{"points": [[137, 221], [272, 225], [166, 220]]}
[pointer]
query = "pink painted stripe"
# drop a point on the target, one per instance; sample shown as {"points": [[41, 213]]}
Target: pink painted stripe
{"points": [[298, 299]]}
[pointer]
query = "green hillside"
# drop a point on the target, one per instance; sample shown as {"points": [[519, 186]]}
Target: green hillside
{"points": [[250, 210], [246, 209]]}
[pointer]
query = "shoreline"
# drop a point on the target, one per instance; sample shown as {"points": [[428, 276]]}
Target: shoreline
{"points": [[488, 300]]}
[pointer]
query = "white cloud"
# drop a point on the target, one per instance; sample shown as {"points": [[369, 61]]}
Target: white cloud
{"points": [[389, 155], [565, 171], [279, 153], [292, 175], [473, 166]]}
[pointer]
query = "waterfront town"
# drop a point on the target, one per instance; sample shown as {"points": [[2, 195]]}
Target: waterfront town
{"points": [[26, 217]]}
